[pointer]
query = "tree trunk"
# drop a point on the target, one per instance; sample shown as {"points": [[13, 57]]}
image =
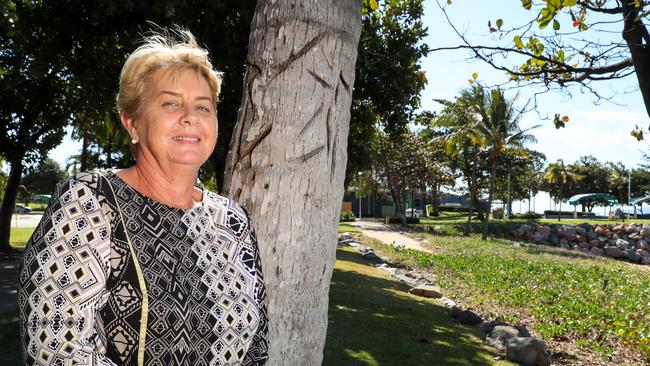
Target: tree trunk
{"points": [[636, 36], [493, 178], [8, 205], [287, 160]]}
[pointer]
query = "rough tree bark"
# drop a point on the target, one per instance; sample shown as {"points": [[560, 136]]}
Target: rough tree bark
{"points": [[287, 159]]}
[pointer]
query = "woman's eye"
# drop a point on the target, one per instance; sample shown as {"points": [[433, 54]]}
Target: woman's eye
{"points": [[169, 104], [203, 109]]}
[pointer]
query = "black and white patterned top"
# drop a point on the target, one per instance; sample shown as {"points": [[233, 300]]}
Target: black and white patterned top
{"points": [[96, 285]]}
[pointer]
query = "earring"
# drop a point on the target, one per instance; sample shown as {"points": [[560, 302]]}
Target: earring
{"points": [[134, 141]]}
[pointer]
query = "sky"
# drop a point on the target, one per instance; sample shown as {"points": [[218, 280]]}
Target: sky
{"points": [[598, 130]]}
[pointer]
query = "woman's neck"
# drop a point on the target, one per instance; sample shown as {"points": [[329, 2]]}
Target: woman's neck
{"points": [[176, 190]]}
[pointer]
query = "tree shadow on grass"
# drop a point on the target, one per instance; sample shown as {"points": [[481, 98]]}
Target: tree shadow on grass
{"points": [[10, 339], [372, 321]]}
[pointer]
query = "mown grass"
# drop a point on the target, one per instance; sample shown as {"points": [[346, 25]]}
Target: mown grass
{"points": [[19, 236], [596, 302], [374, 321], [347, 228]]}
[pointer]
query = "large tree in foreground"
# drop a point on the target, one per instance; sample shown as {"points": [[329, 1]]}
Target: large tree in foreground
{"points": [[567, 42], [287, 159]]}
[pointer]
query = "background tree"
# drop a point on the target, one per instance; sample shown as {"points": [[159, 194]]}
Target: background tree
{"points": [[618, 181], [397, 164], [518, 175], [497, 129], [389, 78], [577, 48], [35, 88], [287, 159], [558, 175], [42, 178], [454, 126]]}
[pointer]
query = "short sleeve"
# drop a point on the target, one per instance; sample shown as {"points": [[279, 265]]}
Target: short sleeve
{"points": [[62, 281]]}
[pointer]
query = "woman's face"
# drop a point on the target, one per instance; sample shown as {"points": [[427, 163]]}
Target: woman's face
{"points": [[178, 123]]}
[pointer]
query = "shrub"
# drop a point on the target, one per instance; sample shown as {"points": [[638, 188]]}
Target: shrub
{"points": [[347, 216], [528, 215]]}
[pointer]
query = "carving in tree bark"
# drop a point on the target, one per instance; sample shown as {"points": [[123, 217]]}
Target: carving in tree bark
{"points": [[287, 159]]}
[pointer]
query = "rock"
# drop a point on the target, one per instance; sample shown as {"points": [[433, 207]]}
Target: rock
{"points": [[645, 231], [518, 233], [564, 244], [588, 227], [623, 244], [632, 256], [354, 244], [630, 229], [643, 252], [372, 257], [454, 311], [583, 245], [544, 230], [594, 243], [581, 231], [526, 227], [538, 237], [429, 291], [500, 336], [599, 230], [448, 303], [618, 229], [523, 331], [641, 244], [555, 240], [407, 279], [592, 235], [529, 235], [468, 317], [645, 260], [527, 351], [488, 326], [596, 251], [614, 252]]}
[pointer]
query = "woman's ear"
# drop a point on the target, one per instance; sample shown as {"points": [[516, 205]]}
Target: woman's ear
{"points": [[128, 124]]}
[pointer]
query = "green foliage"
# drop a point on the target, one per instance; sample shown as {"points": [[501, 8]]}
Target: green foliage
{"points": [[594, 300], [347, 216], [388, 76], [42, 179], [398, 220], [374, 321]]}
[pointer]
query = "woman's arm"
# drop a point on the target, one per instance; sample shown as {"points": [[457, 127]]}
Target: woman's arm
{"points": [[62, 281]]}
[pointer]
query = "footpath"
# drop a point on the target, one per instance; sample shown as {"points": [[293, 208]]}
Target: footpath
{"points": [[376, 229]]}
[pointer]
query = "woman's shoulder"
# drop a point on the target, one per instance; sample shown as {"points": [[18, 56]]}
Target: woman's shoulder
{"points": [[229, 205]]}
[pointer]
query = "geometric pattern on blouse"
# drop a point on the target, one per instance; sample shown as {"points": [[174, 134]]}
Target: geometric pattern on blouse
{"points": [[80, 301]]}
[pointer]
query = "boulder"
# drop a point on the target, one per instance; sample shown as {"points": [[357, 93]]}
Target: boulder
{"points": [[599, 230], [564, 244], [468, 317], [429, 291], [592, 235], [645, 231], [448, 303], [645, 260], [643, 252], [632, 256], [641, 244], [596, 251], [528, 235], [526, 227], [500, 336], [528, 351], [523, 331], [488, 326], [583, 245], [595, 243], [623, 244], [554, 239], [544, 230], [372, 257], [581, 231], [631, 229], [614, 252], [538, 237]]}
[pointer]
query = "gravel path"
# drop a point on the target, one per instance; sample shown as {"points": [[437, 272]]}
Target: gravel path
{"points": [[390, 235]]}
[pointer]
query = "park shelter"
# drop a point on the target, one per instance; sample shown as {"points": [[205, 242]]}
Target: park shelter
{"points": [[603, 198]]}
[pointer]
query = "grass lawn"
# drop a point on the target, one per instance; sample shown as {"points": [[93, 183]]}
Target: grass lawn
{"points": [[345, 227], [9, 340], [374, 321], [19, 236], [593, 304]]}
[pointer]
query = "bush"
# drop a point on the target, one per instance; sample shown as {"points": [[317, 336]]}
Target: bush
{"points": [[453, 209], [347, 216], [398, 220], [528, 215]]}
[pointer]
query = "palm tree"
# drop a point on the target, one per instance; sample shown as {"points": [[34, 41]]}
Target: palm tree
{"points": [[461, 142], [498, 128], [560, 174]]}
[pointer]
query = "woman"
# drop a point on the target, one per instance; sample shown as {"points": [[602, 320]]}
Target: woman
{"points": [[139, 266]]}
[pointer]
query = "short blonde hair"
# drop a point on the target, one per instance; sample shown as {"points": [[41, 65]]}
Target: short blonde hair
{"points": [[163, 51]]}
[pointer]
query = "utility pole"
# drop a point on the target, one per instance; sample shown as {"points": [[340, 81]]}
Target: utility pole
{"points": [[509, 208]]}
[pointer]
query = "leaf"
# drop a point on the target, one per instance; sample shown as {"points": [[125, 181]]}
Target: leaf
{"points": [[527, 4], [475, 75], [518, 42], [448, 2], [565, 119], [499, 23], [372, 4], [556, 25]]}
